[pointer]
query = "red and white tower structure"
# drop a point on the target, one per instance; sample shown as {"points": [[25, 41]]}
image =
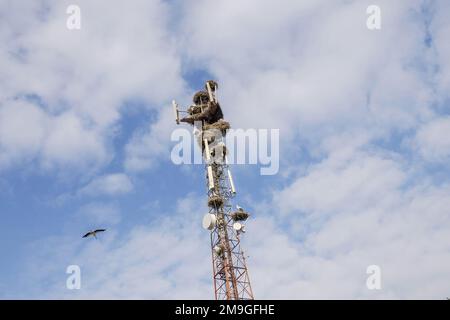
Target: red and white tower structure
{"points": [[226, 225]]}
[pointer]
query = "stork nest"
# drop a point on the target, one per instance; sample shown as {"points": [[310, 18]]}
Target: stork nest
{"points": [[239, 215], [201, 97], [215, 201], [219, 125]]}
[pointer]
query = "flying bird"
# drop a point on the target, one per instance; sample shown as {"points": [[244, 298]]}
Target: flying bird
{"points": [[93, 233]]}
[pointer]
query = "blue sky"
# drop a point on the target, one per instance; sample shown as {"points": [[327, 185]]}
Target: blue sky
{"points": [[85, 125]]}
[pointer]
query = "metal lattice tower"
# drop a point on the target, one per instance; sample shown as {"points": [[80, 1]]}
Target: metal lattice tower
{"points": [[230, 273]]}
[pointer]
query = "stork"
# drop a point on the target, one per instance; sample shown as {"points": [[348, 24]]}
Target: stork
{"points": [[93, 233]]}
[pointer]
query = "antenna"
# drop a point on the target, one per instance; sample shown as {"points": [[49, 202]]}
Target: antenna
{"points": [[230, 178], [209, 168], [177, 113]]}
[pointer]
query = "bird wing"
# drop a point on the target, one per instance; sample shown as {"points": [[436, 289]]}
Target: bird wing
{"points": [[87, 234], [100, 230]]}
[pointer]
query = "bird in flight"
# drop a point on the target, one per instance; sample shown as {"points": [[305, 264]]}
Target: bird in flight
{"points": [[93, 233]]}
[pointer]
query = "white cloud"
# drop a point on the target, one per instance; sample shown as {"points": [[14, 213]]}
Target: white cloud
{"points": [[433, 140], [344, 216], [82, 78], [353, 183], [28, 133], [111, 184], [70, 142], [440, 32], [22, 131], [148, 147]]}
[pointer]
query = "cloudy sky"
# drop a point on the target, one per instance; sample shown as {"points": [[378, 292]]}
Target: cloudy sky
{"points": [[364, 120]]}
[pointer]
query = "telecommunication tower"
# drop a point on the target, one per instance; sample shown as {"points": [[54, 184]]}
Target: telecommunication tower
{"points": [[230, 273]]}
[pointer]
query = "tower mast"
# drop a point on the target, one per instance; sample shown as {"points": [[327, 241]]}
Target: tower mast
{"points": [[230, 273]]}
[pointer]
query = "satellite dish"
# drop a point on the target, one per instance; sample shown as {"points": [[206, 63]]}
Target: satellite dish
{"points": [[218, 250], [209, 221], [237, 226]]}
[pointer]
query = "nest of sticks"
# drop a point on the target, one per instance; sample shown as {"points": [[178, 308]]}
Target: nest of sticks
{"points": [[201, 97], [221, 125], [215, 201], [240, 215]]}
